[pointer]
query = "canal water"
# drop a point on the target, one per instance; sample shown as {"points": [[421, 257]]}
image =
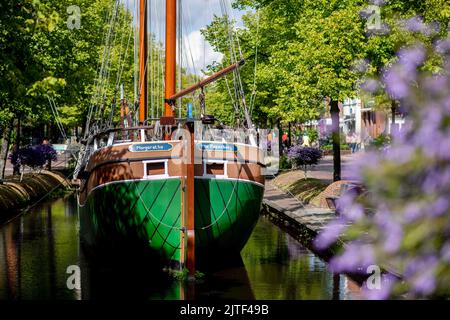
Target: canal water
{"points": [[40, 250]]}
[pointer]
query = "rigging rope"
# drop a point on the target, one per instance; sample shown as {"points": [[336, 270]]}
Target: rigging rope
{"points": [[55, 112], [239, 88], [94, 99], [150, 58], [180, 53], [136, 54], [253, 96]]}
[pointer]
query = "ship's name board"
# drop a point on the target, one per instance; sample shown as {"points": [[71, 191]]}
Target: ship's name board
{"points": [[217, 147], [143, 147]]}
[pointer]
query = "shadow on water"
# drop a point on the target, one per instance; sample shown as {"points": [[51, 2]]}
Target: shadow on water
{"points": [[37, 248], [125, 276], [225, 277], [134, 275]]}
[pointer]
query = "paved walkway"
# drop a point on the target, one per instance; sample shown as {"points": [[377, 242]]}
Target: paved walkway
{"points": [[324, 170]]}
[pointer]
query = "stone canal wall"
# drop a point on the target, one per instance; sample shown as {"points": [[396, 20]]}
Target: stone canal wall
{"points": [[16, 194]]}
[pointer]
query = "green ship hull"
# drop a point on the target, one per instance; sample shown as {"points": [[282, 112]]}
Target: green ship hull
{"points": [[148, 213]]}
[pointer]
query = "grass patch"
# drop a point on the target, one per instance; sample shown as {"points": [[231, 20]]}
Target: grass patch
{"points": [[183, 275], [306, 190]]}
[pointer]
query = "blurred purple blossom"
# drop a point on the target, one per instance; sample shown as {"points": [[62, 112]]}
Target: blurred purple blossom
{"points": [[414, 24], [356, 258], [330, 234], [445, 252], [354, 212], [419, 264], [396, 83], [384, 292], [409, 184], [433, 28], [394, 237], [443, 46], [345, 201], [399, 77], [440, 206], [417, 25], [412, 57], [400, 154], [377, 2], [371, 85], [412, 212], [424, 284], [437, 84], [390, 228]]}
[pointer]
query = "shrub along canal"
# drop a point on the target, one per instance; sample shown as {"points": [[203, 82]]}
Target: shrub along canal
{"points": [[40, 250]]}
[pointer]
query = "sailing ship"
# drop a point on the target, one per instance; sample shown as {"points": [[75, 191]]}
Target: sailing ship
{"points": [[168, 183]]}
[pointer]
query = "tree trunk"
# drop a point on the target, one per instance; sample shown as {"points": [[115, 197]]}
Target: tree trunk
{"points": [[334, 111], [16, 168], [280, 136], [6, 136], [393, 110]]}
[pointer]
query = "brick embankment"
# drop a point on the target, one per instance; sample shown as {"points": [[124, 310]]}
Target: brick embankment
{"points": [[16, 195]]}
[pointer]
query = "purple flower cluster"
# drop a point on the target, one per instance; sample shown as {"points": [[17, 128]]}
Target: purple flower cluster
{"points": [[304, 155], [35, 156], [409, 185]]}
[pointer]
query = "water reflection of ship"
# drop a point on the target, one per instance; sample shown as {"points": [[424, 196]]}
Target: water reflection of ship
{"points": [[130, 275], [127, 278], [227, 279]]}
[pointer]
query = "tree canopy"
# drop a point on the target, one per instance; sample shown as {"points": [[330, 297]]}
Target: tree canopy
{"points": [[308, 50]]}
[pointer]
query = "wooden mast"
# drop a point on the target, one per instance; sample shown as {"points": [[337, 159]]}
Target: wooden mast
{"points": [[188, 176], [171, 50], [143, 61]]}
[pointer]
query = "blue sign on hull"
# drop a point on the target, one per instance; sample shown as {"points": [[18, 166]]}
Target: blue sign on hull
{"points": [[217, 147], [144, 147]]}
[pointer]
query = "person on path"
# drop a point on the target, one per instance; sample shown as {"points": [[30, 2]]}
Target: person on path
{"points": [[306, 142]]}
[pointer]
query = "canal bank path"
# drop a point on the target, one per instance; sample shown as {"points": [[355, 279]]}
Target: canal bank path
{"points": [[306, 218]]}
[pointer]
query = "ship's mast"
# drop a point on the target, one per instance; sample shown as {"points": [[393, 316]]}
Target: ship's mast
{"points": [[143, 70], [171, 49], [188, 244]]}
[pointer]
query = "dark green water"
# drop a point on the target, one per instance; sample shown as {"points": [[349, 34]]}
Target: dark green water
{"points": [[37, 248]]}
